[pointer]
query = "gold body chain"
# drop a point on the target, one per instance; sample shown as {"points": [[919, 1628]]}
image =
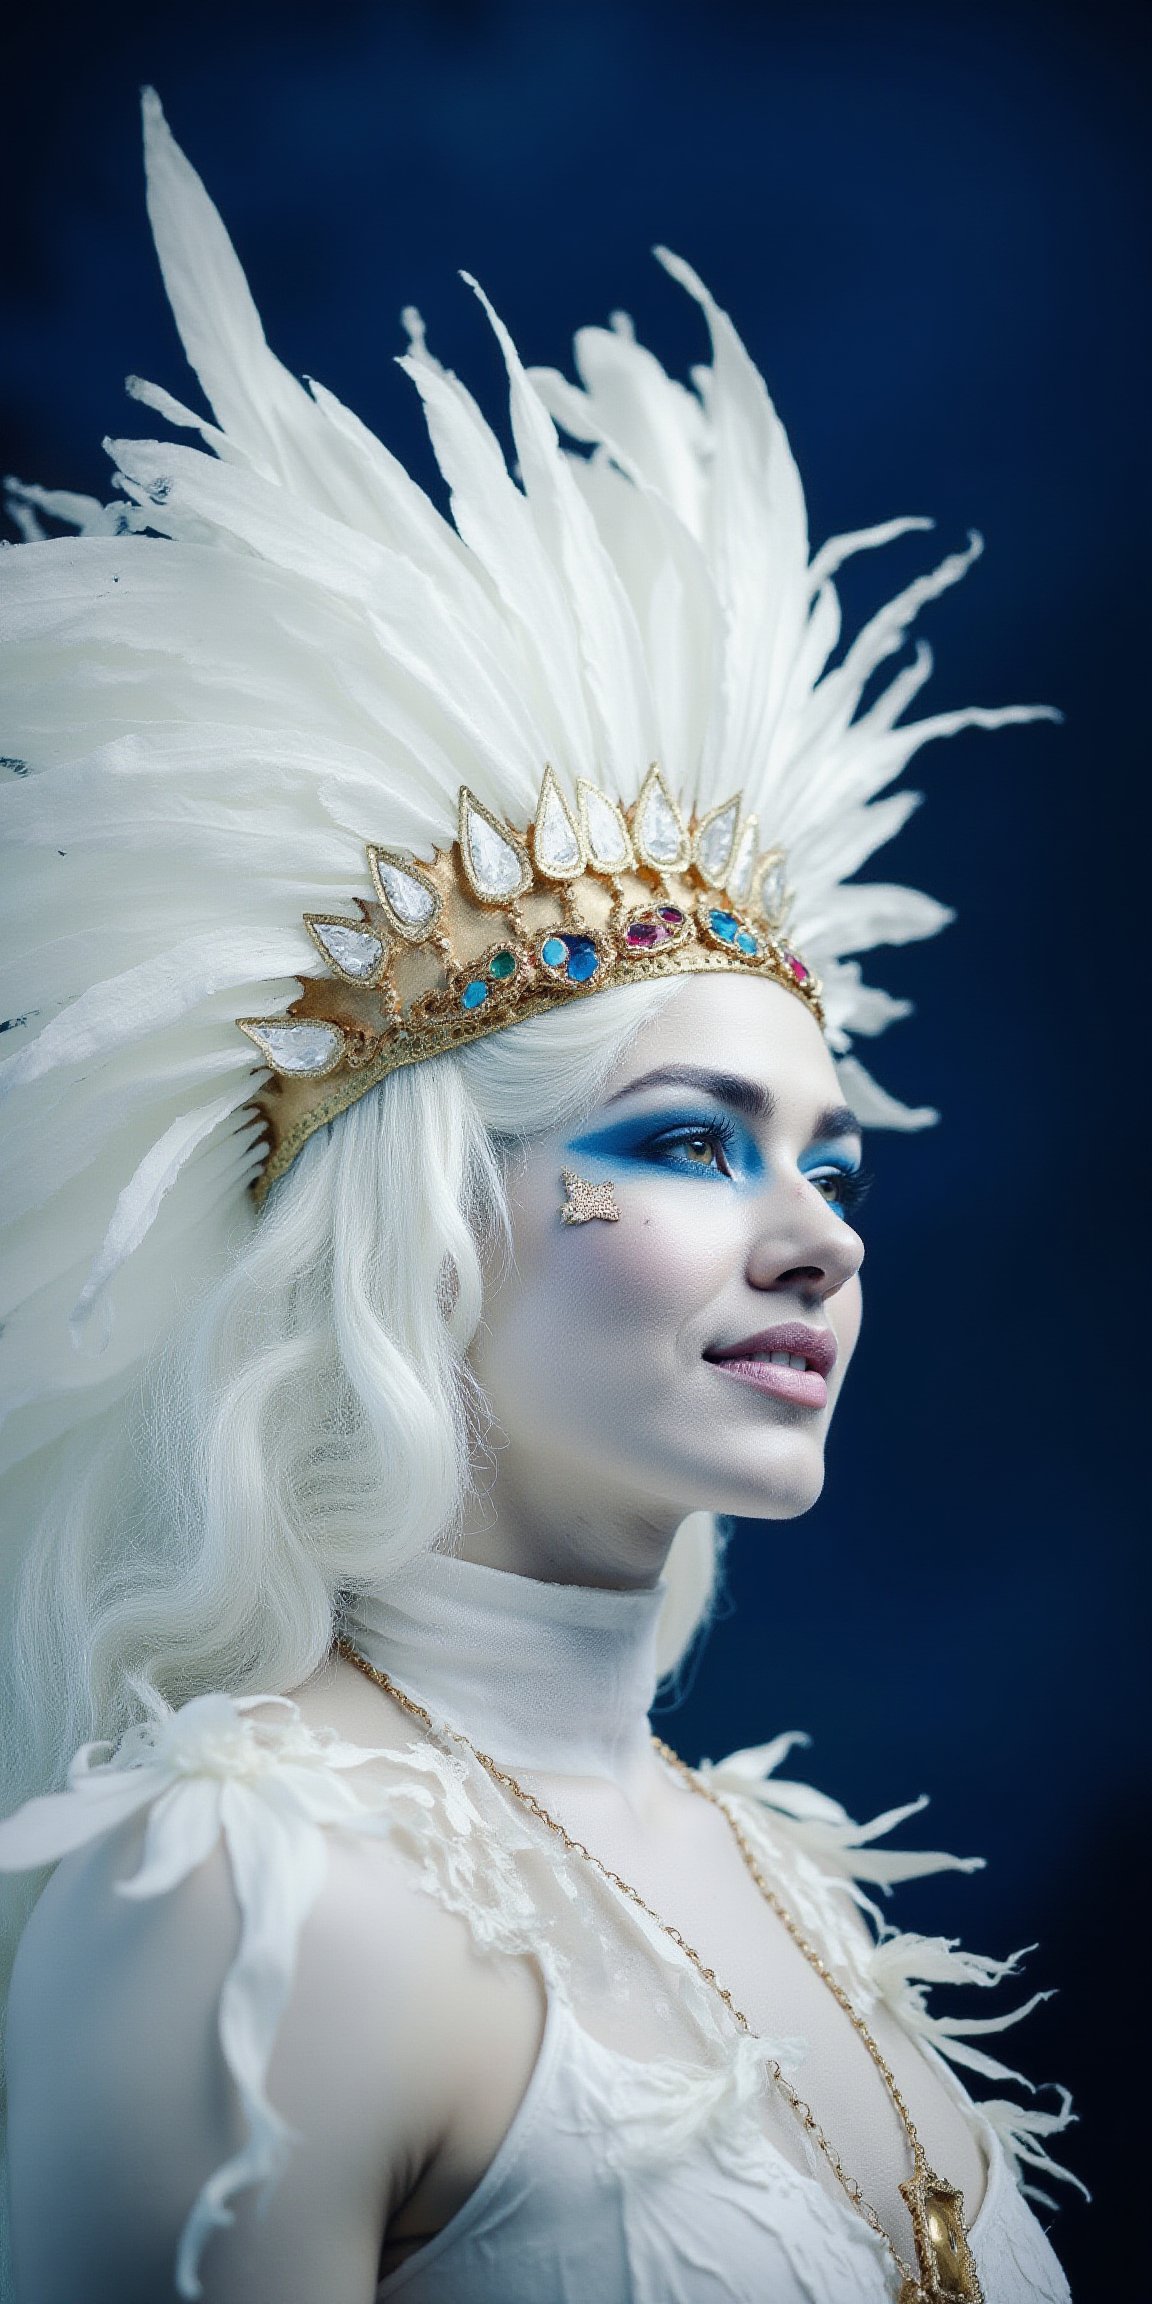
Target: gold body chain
{"points": [[947, 2272]]}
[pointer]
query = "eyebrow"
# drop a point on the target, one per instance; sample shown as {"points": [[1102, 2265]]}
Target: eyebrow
{"points": [[741, 1095]]}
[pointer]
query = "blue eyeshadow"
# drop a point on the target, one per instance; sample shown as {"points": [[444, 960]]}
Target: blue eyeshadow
{"points": [[650, 1140], [832, 1159]]}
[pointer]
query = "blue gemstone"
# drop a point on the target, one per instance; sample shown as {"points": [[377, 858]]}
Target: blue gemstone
{"points": [[474, 994], [583, 959], [745, 942], [723, 924], [553, 952]]}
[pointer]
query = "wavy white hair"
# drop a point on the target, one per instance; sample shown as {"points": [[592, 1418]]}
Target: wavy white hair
{"points": [[311, 1424]]}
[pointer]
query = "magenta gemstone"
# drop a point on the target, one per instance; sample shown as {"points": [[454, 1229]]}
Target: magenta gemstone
{"points": [[671, 914], [799, 971], [645, 932]]}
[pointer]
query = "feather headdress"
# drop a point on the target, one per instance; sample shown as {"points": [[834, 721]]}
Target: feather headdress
{"points": [[271, 648]]}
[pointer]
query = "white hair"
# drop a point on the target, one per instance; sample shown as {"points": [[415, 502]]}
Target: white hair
{"points": [[311, 1424]]}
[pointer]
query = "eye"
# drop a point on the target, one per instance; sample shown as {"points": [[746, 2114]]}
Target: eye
{"points": [[842, 1188], [829, 1187], [701, 1148]]}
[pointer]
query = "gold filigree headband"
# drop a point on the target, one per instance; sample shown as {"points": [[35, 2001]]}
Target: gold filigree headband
{"points": [[503, 926]]}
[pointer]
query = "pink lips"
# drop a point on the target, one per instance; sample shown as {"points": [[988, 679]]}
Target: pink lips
{"points": [[749, 1363]]}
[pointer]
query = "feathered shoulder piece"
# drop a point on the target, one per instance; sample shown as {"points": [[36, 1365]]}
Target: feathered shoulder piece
{"points": [[288, 749]]}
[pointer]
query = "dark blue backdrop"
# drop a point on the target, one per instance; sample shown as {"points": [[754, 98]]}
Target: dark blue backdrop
{"points": [[929, 225]]}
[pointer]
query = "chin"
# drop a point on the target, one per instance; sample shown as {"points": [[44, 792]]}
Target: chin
{"points": [[789, 1489]]}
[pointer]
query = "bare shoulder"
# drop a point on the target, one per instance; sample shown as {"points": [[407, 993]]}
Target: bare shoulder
{"points": [[122, 2105], [112, 2068]]}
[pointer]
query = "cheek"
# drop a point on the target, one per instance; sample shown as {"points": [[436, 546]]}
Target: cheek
{"points": [[655, 1272], [664, 1255], [624, 1302]]}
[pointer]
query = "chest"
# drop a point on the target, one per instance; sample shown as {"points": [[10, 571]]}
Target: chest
{"points": [[591, 2194], [686, 1865]]}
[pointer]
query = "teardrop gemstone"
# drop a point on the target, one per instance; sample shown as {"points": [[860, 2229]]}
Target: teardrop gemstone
{"points": [[303, 1050], [411, 900], [556, 842], [657, 826], [772, 892], [714, 841], [739, 878], [496, 865], [353, 952], [604, 830]]}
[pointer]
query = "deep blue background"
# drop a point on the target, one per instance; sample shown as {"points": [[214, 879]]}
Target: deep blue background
{"points": [[931, 227]]}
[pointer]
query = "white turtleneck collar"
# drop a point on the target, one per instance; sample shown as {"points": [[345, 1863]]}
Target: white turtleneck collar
{"points": [[557, 1677]]}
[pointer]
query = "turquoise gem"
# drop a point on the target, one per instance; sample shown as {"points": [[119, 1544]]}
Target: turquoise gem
{"points": [[745, 942], [724, 925], [474, 994], [576, 955], [502, 965]]}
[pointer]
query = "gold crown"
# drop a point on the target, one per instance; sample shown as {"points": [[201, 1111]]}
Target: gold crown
{"points": [[502, 926]]}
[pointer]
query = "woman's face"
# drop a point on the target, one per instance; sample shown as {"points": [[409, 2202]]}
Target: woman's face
{"points": [[689, 1356]]}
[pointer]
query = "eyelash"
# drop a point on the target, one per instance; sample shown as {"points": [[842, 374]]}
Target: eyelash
{"points": [[850, 1186], [720, 1134]]}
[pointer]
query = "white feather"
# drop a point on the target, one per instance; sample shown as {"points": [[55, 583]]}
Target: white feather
{"points": [[139, 1203], [610, 651], [270, 647], [874, 1107]]}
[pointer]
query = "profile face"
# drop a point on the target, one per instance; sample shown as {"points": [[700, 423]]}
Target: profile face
{"points": [[689, 1356]]}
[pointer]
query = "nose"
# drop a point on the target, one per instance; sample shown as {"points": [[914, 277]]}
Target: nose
{"points": [[800, 1244]]}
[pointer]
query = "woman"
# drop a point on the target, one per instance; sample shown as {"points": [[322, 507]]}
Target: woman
{"points": [[388, 1954]]}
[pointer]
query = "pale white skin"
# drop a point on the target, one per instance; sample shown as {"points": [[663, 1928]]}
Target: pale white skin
{"points": [[404, 2054]]}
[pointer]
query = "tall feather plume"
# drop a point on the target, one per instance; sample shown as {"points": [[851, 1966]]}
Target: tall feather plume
{"points": [[270, 646]]}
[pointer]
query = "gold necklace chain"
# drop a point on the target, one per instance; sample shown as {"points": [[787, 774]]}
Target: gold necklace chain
{"points": [[935, 2207]]}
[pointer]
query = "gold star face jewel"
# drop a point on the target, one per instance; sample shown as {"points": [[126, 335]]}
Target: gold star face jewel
{"points": [[586, 1202]]}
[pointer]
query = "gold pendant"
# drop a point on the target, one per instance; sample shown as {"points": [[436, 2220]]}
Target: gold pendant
{"points": [[948, 2272]]}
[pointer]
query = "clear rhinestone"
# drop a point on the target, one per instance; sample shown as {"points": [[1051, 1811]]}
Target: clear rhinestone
{"points": [[355, 952], [297, 1050], [608, 842], [740, 876], [557, 843], [714, 842], [659, 832], [412, 901], [773, 892], [496, 867]]}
